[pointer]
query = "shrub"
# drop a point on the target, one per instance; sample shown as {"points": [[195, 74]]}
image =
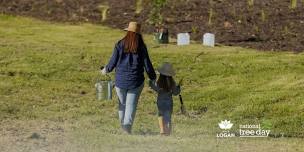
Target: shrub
{"points": [[156, 17], [139, 6], [293, 4], [250, 2], [104, 10], [211, 13], [263, 16]]}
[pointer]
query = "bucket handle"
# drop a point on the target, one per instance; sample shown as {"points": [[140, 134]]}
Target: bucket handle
{"points": [[107, 75], [102, 67]]}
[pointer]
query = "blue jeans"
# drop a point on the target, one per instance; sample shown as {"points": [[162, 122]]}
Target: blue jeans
{"points": [[128, 99]]}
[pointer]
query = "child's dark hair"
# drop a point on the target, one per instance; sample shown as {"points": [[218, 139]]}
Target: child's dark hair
{"points": [[166, 83]]}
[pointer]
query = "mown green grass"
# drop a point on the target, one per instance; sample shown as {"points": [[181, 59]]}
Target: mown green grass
{"points": [[48, 71]]}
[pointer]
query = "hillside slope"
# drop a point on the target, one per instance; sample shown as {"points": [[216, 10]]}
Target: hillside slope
{"points": [[47, 95], [266, 25], [48, 71]]}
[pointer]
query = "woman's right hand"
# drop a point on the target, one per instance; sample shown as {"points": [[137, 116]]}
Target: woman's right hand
{"points": [[103, 70]]}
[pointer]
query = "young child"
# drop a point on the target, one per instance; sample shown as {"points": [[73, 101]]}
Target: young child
{"points": [[165, 88]]}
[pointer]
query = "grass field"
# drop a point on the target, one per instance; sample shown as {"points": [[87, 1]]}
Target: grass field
{"points": [[47, 94]]}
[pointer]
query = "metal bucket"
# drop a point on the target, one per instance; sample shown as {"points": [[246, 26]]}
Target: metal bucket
{"points": [[104, 90]]}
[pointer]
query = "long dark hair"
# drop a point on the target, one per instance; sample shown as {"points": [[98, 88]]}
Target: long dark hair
{"points": [[166, 83], [132, 42]]}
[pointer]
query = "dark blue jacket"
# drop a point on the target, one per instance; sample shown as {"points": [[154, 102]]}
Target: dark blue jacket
{"points": [[130, 67]]}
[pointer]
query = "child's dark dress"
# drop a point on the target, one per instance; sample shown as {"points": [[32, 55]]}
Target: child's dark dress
{"points": [[164, 100]]}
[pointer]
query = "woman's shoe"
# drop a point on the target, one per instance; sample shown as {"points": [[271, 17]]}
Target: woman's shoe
{"points": [[126, 128]]}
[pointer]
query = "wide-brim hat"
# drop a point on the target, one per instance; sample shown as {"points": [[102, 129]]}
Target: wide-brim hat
{"points": [[134, 27], [166, 69]]}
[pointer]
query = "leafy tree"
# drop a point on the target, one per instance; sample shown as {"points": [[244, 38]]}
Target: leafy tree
{"points": [[156, 17]]}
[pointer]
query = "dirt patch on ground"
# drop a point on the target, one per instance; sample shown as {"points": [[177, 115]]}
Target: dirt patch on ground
{"points": [[265, 25], [32, 136]]}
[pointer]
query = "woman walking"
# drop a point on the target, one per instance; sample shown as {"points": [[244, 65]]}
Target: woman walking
{"points": [[130, 59]]}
